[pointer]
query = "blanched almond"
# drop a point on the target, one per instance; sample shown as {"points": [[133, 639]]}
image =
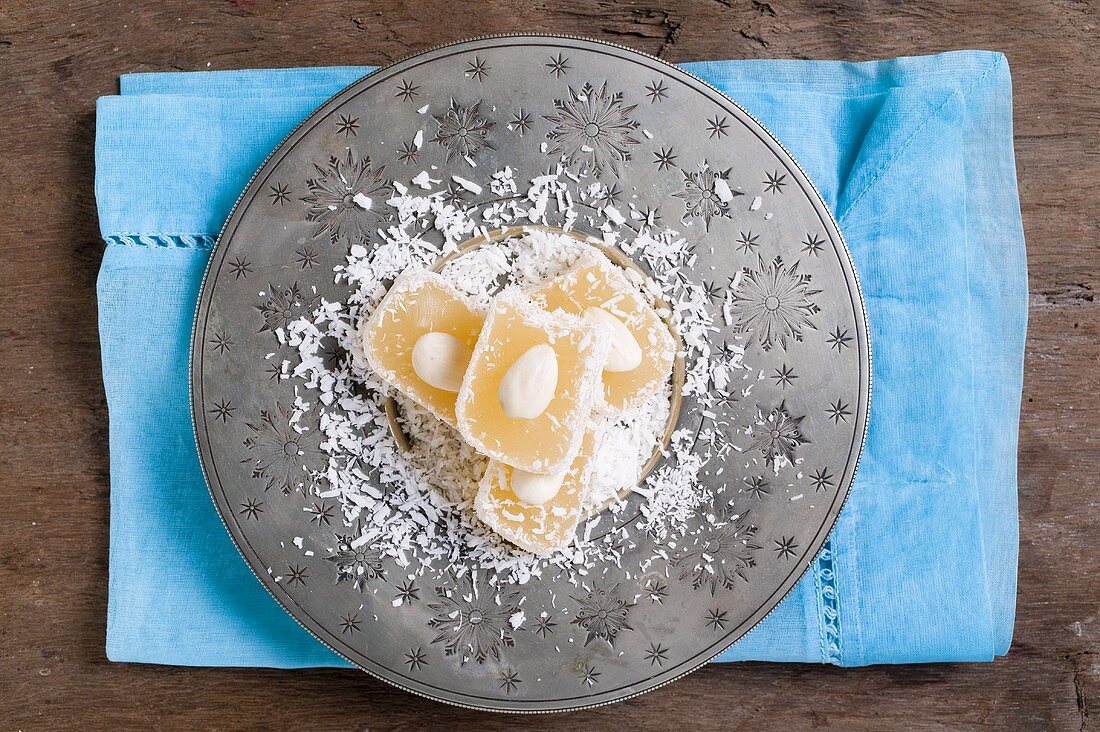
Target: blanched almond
{"points": [[529, 384], [626, 354], [440, 360], [534, 489]]}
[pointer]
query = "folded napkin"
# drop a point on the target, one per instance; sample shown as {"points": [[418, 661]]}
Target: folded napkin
{"points": [[915, 158]]}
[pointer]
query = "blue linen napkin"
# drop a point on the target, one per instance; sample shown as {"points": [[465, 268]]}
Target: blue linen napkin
{"points": [[914, 156]]}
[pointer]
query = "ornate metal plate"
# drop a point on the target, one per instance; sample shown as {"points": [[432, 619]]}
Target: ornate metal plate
{"points": [[644, 128]]}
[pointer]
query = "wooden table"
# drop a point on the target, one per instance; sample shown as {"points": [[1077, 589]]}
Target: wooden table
{"points": [[56, 58]]}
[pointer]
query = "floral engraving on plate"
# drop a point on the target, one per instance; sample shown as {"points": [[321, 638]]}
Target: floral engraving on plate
{"points": [[593, 129], [463, 131], [706, 194], [772, 303], [409, 154], [346, 198], [283, 305], [603, 613], [278, 453], [320, 513], [717, 127], [777, 434], [356, 564], [472, 620], [719, 555]]}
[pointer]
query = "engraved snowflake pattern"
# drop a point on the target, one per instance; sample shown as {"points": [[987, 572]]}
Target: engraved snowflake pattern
{"points": [[416, 659], [544, 625], [656, 91], [283, 305], [822, 480], [521, 121], [589, 675], [407, 592], [664, 158], [278, 454], [756, 486], [356, 564], [342, 198], [656, 654], [223, 410], [407, 91], [509, 679], [558, 65], [785, 547], [813, 244], [773, 303], [777, 434], [839, 339], [347, 125], [603, 613], [350, 623], [717, 619], [719, 555], [463, 131], [478, 69], [592, 129], [472, 620], [320, 513], [702, 197], [251, 509], [240, 268]]}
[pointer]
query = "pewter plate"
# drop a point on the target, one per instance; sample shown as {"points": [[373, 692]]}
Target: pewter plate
{"points": [[658, 139]]}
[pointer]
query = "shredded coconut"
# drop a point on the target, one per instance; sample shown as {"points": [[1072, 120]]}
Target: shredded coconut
{"points": [[415, 507]]}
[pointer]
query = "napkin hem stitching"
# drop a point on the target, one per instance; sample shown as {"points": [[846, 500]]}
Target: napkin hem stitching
{"points": [[162, 241]]}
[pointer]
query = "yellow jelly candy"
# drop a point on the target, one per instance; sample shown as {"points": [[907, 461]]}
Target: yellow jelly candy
{"points": [[420, 339], [531, 385], [643, 349], [535, 512]]}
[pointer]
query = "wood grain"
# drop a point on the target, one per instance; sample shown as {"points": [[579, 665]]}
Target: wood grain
{"points": [[56, 58]]}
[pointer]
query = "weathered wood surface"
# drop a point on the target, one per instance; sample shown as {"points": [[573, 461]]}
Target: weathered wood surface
{"points": [[57, 57]]}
